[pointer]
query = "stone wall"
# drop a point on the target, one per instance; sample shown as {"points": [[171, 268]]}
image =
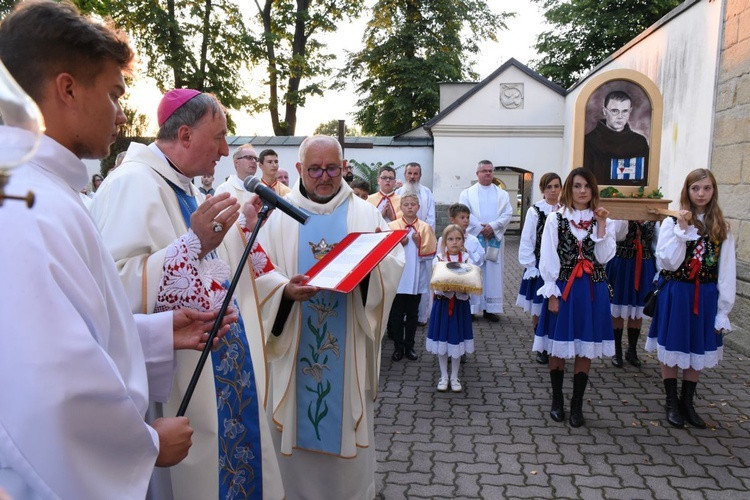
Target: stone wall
{"points": [[731, 146]]}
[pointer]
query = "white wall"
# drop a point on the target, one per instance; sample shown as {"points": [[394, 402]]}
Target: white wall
{"points": [[530, 137], [681, 59]]}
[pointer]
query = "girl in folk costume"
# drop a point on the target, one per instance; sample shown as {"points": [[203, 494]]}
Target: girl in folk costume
{"points": [[632, 274], [449, 333], [575, 320], [696, 293], [528, 250]]}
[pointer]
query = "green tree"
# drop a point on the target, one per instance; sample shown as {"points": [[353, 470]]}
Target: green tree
{"points": [[585, 32], [6, 6], [410, 47], [331, 128], [296, 61], [134, 130], [203, 45]]}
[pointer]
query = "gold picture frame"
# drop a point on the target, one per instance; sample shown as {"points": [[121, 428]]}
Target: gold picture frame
{"points": [[645, 112]]}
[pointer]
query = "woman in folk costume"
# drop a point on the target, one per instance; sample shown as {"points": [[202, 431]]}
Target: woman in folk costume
{"points": [[575, 320], [697, 287], [632, 273], [449, 333], [528, 250]]}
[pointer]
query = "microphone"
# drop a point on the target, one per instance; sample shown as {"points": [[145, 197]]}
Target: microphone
{"points": [[269, 196]]}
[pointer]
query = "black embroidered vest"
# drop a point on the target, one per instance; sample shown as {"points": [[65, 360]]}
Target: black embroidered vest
{"points": [[626, 248], [541, 219], [709, 271], [567, 250]]}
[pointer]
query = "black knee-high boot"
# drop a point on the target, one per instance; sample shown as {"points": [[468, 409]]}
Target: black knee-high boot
{"points": [[557, 412], [687, 410], [632, 355], [576, 403], [617, 358], [673, 404]]}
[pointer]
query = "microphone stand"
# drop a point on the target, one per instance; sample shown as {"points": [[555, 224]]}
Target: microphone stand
{"points": [[262, 216]]}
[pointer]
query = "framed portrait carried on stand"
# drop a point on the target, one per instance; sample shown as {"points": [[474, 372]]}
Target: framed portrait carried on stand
{"points": [[617, 131], [617, 135]]}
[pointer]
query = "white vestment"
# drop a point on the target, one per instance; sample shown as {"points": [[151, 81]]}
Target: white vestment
{"points": [[73, 383], [498, 218], [234, 186], [426, 213], [139, 216], [307, 474]]}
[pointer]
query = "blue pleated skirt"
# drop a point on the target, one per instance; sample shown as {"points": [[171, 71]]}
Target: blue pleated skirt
{"points": [[680, 337], [626, 301], [527, 297], [451, 335], [583, 325]]}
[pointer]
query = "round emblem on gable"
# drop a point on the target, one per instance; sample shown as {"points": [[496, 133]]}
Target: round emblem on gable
{"points": [[511, 96]]}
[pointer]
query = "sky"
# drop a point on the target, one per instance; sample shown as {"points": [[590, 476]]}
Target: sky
{"points": [[515, 42]]}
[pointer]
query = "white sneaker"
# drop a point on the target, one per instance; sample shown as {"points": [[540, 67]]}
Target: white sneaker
{"points": [[455, 385], [442, 385]]}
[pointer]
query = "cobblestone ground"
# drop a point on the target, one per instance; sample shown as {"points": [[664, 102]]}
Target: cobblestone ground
{"points": [[496, 439]]}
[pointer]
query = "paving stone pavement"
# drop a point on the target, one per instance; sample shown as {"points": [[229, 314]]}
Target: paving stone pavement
{"points": [[496, 439]]}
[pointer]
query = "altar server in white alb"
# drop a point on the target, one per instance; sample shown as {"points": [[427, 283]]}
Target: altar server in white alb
{"points": [[325, 360], [74, 383], [174, 248], [491, 212]]}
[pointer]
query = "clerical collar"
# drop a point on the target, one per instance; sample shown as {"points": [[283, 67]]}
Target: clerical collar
{"points": [[185, 181]]}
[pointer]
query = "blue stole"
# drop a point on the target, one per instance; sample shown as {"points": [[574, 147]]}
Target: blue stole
{"points": [[322, 345], [240, 461], [491, 243]]}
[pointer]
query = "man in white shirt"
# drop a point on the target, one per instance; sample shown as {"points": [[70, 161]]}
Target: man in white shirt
{"points": [[491, 212], [413, 176], [245, 164]]}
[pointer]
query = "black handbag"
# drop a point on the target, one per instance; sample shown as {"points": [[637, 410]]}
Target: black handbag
{"points": [[650, 306]]}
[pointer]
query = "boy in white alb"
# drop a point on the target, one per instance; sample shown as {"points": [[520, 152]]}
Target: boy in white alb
{"points": [[419, 248]]}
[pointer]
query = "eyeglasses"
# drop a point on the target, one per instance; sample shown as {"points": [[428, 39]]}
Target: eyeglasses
{"points": [[388, 179], [248, 157], [485, 171], [317, 172], [618, 112]]}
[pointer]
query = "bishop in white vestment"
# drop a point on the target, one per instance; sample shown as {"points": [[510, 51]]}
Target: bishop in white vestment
{"points": [[141, 213]]}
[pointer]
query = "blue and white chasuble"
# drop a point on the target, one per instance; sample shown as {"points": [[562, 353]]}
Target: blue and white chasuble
{"points": [[240, 463], [320, 360]]}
